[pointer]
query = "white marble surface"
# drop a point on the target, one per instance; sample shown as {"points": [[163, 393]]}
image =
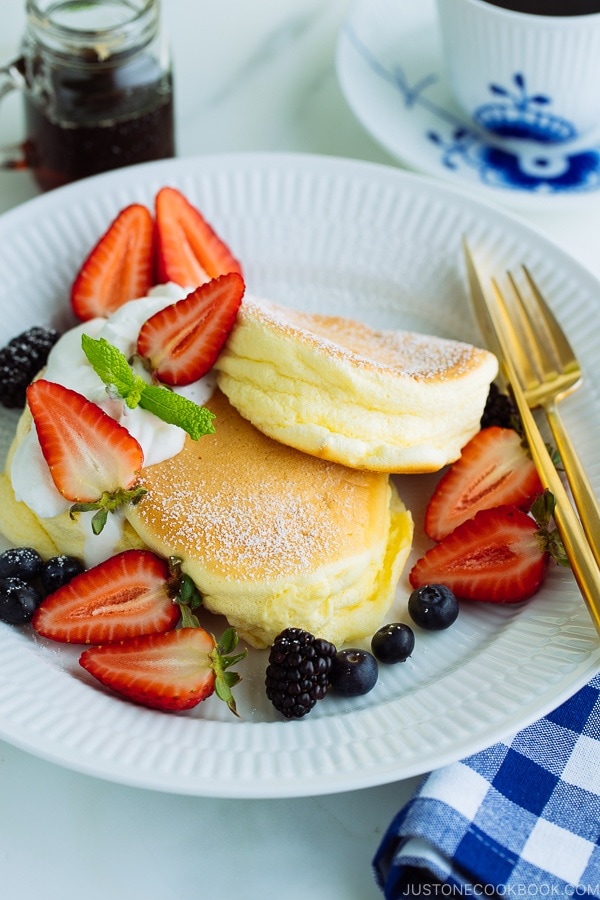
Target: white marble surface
{"points": [[253, 75]]}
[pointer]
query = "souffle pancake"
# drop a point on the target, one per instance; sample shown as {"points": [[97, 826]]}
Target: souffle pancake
{"points": [[271, 536], [274, 537], [286, 515], [387, 401]]}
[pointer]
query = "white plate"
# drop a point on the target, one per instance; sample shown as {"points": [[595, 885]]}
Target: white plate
{"points": [[378, 244], [390, 68]]}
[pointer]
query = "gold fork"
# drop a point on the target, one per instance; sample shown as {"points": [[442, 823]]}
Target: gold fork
{"points": [[548, 371], [493, 319]]}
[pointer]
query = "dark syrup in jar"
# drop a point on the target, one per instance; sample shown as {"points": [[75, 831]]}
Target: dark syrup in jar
{"points": [[98, 118]]}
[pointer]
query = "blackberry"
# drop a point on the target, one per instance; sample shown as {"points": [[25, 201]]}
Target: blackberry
{"points": [[298, 672], [499, 410], [20, 361]]}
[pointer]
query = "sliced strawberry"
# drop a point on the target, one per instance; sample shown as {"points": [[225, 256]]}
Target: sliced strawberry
{"points": [[122, 597], [120, 266], [494, 469], [171, 671], [189, 252], [500, 555], [93, 460], [87, 451], [181, 342]]}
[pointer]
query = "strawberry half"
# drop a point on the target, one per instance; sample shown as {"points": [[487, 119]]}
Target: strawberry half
{"points": [[92, 459], [172, 671], [501, 555], [126, 595], [120, 266], [189, 252], [494, 469], [182, 341]]}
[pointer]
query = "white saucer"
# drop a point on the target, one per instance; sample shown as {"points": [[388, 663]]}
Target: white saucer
{"points": [[389, 65]]}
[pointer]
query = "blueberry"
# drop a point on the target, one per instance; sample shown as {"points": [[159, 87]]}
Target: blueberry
{"points": [[393, 643], [18, 600], [433, 607], [20, 562], [353, 672], [58, 571]]}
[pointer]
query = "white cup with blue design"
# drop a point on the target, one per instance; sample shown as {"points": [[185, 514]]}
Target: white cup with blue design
{"points": [[524, 69]]}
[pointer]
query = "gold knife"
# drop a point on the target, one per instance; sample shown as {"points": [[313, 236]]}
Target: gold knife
{"points": [[583, 564]]}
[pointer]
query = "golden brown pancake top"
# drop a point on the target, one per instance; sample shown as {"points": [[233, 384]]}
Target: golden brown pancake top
{"points": [[251, 508]]}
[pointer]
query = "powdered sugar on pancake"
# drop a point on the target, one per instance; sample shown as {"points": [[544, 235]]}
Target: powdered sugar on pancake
{"points": [[418, 356]]}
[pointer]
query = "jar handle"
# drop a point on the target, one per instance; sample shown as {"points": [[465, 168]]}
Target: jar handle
{"points": [[12, 78]]}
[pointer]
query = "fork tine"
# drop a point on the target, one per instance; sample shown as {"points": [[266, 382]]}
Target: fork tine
{"points": [[496, 325], [554, 334], [525, 335], [586, 556], [534, 332], [537, 337]]}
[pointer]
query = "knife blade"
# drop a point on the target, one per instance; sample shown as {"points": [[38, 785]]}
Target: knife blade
{"points": [[495, 335]]}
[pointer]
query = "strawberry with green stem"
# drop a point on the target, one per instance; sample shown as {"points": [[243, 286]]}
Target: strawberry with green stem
{"points": [[501, 555], [131, 593], [172, 671], [93, 461]]}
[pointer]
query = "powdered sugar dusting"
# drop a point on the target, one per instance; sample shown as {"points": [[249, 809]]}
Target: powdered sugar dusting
{"points": [[266, 539], [303, 512], [417, 356]]}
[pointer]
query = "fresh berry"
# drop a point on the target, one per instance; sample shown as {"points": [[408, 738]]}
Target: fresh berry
{"points": [[189, 252], [393, 643], [494, 469], [126, 595], [120, 266], [93, 460], [21, 360], [499, 410], [21, 562], [433, 607], [298, 671], [18, 600], [182, 341], [58, 571], [353, 672], [500, 555], [172, 671]]}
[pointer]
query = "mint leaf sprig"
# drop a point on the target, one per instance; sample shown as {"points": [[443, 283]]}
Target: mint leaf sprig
{"points": [[114, 370]]}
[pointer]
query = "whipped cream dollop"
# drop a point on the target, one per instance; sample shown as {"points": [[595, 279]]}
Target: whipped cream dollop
{"points": [[67, 365]]}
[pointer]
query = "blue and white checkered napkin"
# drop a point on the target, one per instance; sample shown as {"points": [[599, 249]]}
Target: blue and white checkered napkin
{"points": [[520, 818]]}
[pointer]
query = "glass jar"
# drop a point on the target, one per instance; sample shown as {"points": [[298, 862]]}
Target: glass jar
{"points": [[97, 87]]}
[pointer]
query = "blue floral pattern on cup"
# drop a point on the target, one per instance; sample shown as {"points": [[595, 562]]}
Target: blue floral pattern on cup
{"points": [[532, 150], [518, 114], [531, 171]]}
